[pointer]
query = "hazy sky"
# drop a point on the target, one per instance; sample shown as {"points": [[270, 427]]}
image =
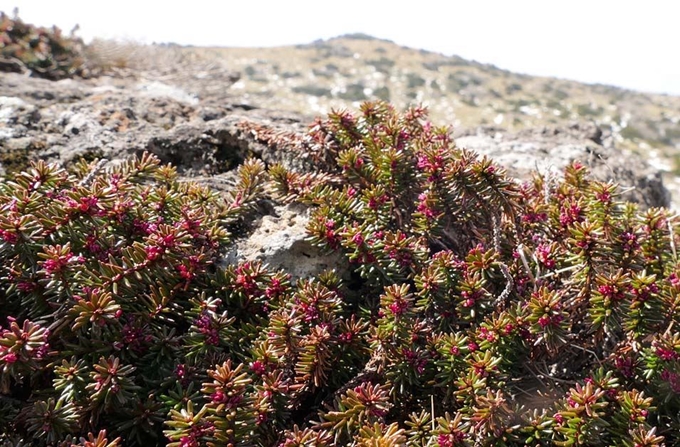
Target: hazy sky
{"points": [[621, 42]]}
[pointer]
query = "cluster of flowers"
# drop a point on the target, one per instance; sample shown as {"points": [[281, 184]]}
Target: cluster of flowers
{"points": [[476, 310]]}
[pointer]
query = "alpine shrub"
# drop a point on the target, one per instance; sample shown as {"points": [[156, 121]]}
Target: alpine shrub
{"points": [[478, 310]]}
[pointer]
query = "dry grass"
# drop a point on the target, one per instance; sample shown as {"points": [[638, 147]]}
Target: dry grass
{"points": [[105, 55]]}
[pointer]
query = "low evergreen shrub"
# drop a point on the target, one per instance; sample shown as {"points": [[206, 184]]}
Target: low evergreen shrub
{"points": [[478, 310]]}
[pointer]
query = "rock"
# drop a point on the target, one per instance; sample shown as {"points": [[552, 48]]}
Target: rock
{"points": [[15, 112], [160, 90], [550, 150], [115, 119], [279, 240]]}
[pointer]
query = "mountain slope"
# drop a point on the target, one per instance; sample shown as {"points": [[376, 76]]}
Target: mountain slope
{"points": [[343, 71]]}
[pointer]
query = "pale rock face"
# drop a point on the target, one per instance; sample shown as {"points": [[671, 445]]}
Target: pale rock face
{"points": [[8, 104], [12, 110], [279, 241], [157, 89], [549, 150]]}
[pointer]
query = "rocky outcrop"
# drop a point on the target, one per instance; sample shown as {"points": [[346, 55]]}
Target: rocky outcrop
{"points": [[67, 120]]}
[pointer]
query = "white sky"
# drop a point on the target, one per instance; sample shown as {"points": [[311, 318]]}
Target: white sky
{"points": [[629, 43]]}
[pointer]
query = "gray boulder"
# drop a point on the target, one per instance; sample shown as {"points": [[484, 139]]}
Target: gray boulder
{"points": [[550, 150], [280, 241]]}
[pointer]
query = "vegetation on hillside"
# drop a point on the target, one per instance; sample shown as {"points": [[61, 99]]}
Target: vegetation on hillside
{"points": [[478, 311]]}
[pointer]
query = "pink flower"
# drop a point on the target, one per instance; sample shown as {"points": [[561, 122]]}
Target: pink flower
{"points": [[258, 367], [91, 244], [625, 366], [346, 337], [645, 292], [261, 418], [246, 281], [168, 241], [275, 288], [143, 228], [666, 354], [430, 164], [611, 292], [398, 307], [487, 335], [9, 237], [534, 217], [604, 196], [630, 241], [414, 360], [185, 272], [237, 201], [470, 298], [570, 213], [26, 286], [331, 237], [54, 266], [674, 280], [375, 202], [204, 325], [450, 439], [191, 225], [445, 440], [153, 252], [310, 310], [423, 207], [188, 441], [88, 205], [218, 397], [543, 255], [10, 358]]}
